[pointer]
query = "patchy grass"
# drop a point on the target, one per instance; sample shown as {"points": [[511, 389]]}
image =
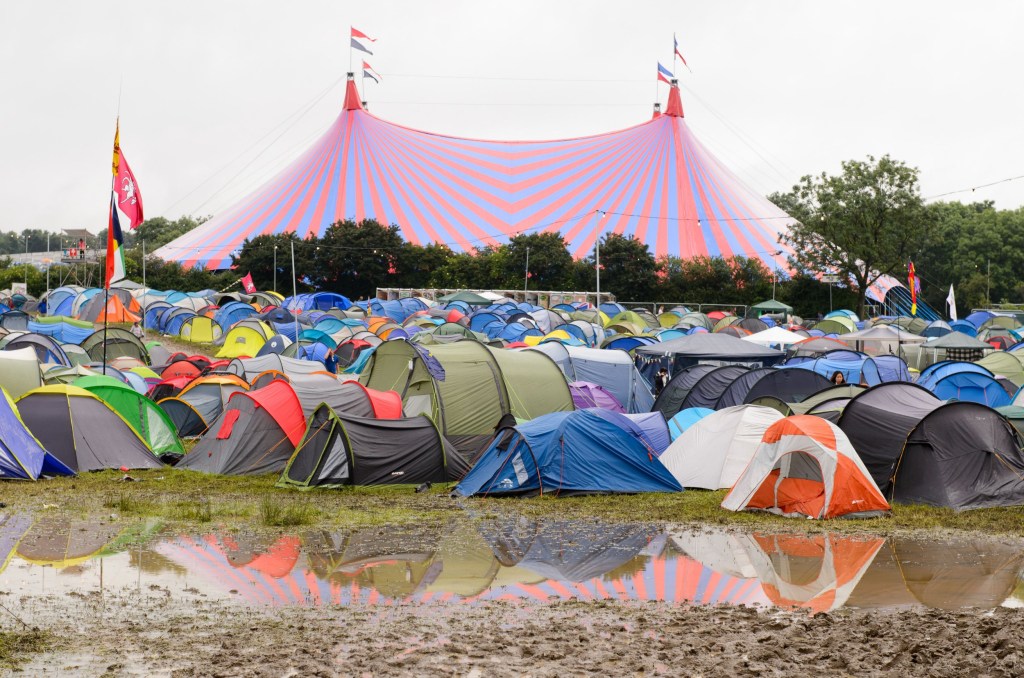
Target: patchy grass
{"points": [[179, 497], [16, 646], [275, 513]]}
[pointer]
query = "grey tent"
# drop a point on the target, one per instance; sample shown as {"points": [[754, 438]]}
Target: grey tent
{"points": [[671, 398], [610, 368], [706, 392], [788, 385], [256, 433], [344, 397], [878, 422], [963, 456], [339, 450], [82, 431], [705, 346], [736, 392]]}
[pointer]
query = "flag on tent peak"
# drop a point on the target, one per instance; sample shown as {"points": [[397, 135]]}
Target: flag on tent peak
{"points": [[675, 46], [664, 74], [368, 72], [356, 33]]}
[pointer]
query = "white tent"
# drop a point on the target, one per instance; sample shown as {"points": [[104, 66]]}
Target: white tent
{"points": [[20, 371], [713, 452], [774, 336]]}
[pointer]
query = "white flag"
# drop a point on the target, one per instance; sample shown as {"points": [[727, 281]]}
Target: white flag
{"points": [[951, 302]]}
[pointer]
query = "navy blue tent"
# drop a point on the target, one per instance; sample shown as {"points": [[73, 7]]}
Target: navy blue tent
{"points": [[583, 452], [21, 455]]}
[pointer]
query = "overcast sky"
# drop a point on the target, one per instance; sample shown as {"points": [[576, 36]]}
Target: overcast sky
{"points": [[218, 95]]}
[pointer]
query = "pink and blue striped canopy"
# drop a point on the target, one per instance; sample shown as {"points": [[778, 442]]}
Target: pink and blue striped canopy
{"points": [[654, 181]]}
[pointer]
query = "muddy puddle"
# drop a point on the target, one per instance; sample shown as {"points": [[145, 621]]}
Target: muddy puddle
{"points": [[525, 562]]}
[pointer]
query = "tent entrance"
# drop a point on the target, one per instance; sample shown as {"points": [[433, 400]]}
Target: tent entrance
{"points": [[795, 485]]}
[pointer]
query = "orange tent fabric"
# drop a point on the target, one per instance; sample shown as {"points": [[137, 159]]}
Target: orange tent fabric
{"points": [[115, 312]]}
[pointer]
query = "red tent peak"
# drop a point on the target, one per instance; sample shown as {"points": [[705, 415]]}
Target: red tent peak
{"points": [[352, 102], [657, 111], [675, 104]]}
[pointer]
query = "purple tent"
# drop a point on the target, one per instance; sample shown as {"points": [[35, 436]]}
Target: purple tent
{"points": [[586, 394]]}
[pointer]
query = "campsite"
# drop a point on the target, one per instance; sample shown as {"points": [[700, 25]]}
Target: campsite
{"points": [[467, 355]]}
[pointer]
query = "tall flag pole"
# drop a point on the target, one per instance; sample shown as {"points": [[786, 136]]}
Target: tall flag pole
{"points": [[915, 287], [125, 204]]}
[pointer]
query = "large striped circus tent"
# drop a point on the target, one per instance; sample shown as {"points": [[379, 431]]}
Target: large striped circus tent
{"points": [[654, 181]]}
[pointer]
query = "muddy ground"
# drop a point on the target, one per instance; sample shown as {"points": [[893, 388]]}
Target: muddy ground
{"points": [[151, 634]]}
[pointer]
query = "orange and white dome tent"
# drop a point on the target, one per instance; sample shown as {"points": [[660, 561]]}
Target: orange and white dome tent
{"points": [[806, 466]]}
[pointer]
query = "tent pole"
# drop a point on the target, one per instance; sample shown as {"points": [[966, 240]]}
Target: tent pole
{"points": [[275, 268], [106, 300], [526, 278]]}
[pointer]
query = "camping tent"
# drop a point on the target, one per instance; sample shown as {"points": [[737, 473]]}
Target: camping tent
{"points": [[22, 457], [200, 330], [256, 433], [82, 431], [684, 419], [712, 453], [349, 398], [611, 369], [339, 450], [141, 413], [806, 466], [963, 456], [19, 371], [878, 421], [704, 346], [586, 394], [579, 452]]}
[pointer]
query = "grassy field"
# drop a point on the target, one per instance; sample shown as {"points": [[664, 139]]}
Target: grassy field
{"points": [[191, 498]]}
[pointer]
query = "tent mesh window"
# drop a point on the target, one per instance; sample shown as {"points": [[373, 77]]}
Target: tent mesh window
{"points": [[968, 355]]}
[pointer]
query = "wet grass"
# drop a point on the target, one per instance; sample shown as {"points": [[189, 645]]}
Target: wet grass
{"points": [[16, 646], [179, 497]]}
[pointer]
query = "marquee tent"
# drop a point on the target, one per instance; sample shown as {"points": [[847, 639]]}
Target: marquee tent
{"points": [[654, 181]]}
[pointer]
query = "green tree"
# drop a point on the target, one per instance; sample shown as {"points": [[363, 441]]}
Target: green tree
{"points": [[417, 264], [864, 223], [550, 262], [628, 269], [355, 259]]}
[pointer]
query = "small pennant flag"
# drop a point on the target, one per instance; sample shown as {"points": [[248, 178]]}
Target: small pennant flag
{"points": [[247, 284], [356, 45], [679, 54], [664, 74], [356, 33], [368, 72]]}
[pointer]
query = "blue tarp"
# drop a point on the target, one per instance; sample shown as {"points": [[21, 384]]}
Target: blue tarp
{"points": [[63, 332], [586, 451], [684, 419]]}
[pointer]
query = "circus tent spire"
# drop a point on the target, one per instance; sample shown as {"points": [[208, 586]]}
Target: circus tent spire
{"points": [[352, 101], [675, 103]]}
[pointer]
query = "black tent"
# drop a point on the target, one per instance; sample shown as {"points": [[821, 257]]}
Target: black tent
{"points": [[706, 346], [963, 456], [878, 422], [705, 393], [339, 450], [736, 392], [671, 398], [788, 385]]}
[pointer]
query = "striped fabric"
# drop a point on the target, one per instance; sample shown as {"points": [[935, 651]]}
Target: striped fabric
{"points": [[654, 181]]}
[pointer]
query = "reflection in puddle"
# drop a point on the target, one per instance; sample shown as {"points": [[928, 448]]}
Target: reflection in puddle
{"points": [[518, 560]]}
